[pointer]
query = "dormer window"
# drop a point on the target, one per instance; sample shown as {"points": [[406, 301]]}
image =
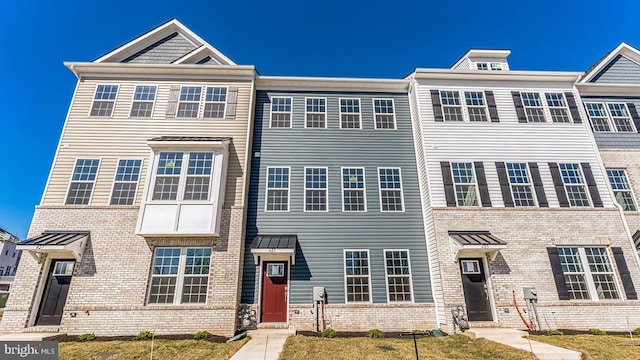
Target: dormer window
{"points": [[496, 66], [482, 66]]}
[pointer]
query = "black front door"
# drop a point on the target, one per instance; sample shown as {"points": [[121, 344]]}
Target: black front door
{"points": [[55, 292], [476, 294]]}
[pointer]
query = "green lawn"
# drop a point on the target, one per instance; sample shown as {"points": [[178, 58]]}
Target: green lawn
{"points": [[451, 347], [595, 347], [163, 349]]}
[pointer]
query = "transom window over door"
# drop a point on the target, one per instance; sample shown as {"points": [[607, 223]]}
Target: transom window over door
{"points": [[103, 100], [353, 190], [476, 105], [574, 184], [82, 181], [465, 184], [451, 106], [557, 107], [316, 113], [143, 99], [189, 104], [588, 273], [384, 114], [391, 198], [125, 183], [521, 188], [350, 114], [277, 189], [356, 272], [171, 179], [621, 189], [180, 276], [533, 107], [315, 189], [281, 112]]}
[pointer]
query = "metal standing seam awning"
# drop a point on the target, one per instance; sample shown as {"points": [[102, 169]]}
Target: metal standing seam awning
{"points": [[56, 243], [478, 242], [283, 245]]}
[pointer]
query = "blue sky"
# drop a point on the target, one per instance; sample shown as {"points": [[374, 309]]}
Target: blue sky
{"points": [[327, 38]]}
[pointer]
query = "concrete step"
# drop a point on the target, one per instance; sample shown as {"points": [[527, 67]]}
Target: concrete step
{"points": [[42, 329], [273, 325], [483, 324]]}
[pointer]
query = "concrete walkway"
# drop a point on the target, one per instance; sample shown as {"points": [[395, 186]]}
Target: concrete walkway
{"points": [[265, 344], [29, 336], [514, 338]]}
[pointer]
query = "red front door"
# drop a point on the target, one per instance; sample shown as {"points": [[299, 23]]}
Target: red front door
{"points": [[274, 291]]}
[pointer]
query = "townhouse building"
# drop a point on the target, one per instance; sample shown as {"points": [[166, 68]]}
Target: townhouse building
{"points": [[610, 92], [514, 196], [9, 258], [334, 208], [141, 223]]}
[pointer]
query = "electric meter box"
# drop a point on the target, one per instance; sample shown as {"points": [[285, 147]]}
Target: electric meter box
{"points": [[530, 293], [318, 293]]}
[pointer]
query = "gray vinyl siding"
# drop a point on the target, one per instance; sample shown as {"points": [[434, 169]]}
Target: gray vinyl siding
{"points": [[164, 51], [322, 236], [619, 71], [614, 140]]}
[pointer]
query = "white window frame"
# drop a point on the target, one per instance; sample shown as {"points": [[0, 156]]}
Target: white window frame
{"points": [[113, 101], [583, 184], [326, 188], [266, 190], [314, 113], [364, 189], [495, 66], [93, 188], [205, 102], [198, 102], [485, 106], [629, 190], [177, 297], [529, 184], [115, 174], [344, 272], [588, 274], [565, 107], [359, 113], [380, 188], [153, 102], [290, 112], [387, 275], [69, 266], [182, 182], [541, 107], [393, 105], [460, 106], [475, 183], [472, 272], [609, 117]]}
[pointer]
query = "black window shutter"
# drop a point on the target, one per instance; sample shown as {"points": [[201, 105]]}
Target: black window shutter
{"points": [[573, 108], [558, 276], [625, 275], [505, 187], [447, 179], [517, 101], [591, 183], [491, 104], [482, 184], [634, 115], [559, 185], [437, 105], [537, 185]]}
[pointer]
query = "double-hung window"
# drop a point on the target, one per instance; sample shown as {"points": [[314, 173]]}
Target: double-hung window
{"points": [[390, 181], [277, 189], [482, 66], [125, 183], [476, 105], [520, 184], [598, 116], [384, 114], [398, 271], [353, 190], [143, 99], [186, 173], [588, 273], [496, 66], [533, 107], [356, 272], [315, 189], [215, 101], [316, 113], [451, 106], [104, 100], [621, 189], [189, 101], [465, 184], [620, 116], [574, 184], [281, 112], [180, 276], [350, 114], [82, 181], [613, 117], [557, 107]]}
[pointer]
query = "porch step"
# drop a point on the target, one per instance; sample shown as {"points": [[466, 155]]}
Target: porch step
{"points": [[273, 325], [483, 324], [42, 329]]}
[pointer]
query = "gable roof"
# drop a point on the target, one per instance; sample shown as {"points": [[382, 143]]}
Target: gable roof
{"points": [[623, 52], [169, 43]]}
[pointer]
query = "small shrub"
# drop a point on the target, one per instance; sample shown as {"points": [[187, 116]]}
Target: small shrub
{"points": [[552, 332], [202, 335], [597, 332], [143, 335], [87, 337], [329, 333], [375, 333], [419, 332], [636, 331]]}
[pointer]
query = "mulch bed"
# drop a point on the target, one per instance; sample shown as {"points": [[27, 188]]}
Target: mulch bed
{"points": [[352, 334], [74, 338], [578, 332]]}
